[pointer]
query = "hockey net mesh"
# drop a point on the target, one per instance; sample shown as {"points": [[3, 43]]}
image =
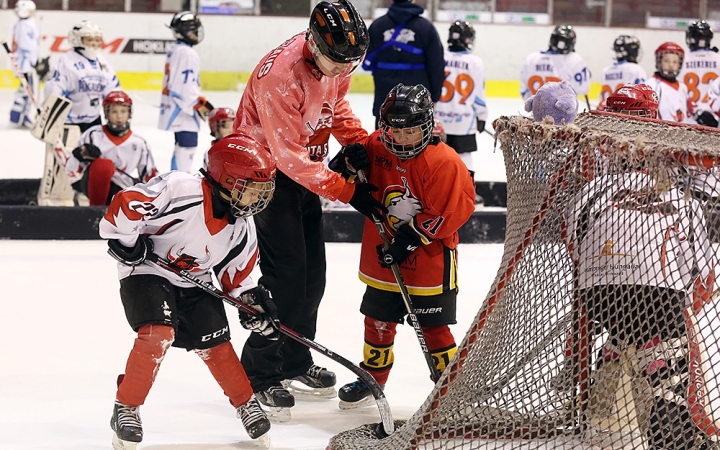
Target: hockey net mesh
{"points": [[600, 330]]}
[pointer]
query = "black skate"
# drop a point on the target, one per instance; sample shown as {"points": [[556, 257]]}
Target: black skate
{"points": [[126, 424], [355, 395], [316, 383], [255, 421], [277, 402]]}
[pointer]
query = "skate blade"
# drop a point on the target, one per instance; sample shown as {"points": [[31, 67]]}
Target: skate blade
{"points": [[276, 414], [303, 392], [264, 440], [367, 401], [119, 444]]}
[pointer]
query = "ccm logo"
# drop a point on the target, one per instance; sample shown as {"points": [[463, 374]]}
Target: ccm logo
{"points": [[239, 147], [214, 335]]}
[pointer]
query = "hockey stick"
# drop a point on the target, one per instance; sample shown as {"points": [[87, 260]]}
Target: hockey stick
{"points": [[412, 318], [375, 389], [20, 75], [587, 102]]}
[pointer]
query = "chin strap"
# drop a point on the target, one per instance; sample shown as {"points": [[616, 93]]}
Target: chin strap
{"points": [[220, 207]]}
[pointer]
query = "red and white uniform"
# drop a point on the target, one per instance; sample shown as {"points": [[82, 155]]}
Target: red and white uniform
{"points": [[542, 67], [618, 75], [175, 210], [130, 153], [700, 68], [180, 89], [435, 193], [463, 97], [294, 116], [674, 103]]}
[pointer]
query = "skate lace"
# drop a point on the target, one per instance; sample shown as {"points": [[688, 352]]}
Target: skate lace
{"points": [[272, 390], [314, 371], [250, 412], [358, 385], [128, 416]]}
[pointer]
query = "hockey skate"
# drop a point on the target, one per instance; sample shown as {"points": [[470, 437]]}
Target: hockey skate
{"points": [[316, 384], [276, 401], [126, 424], [355, 395], [255, 421]]}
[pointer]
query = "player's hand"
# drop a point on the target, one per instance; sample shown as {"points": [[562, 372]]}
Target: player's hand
{"points": [[131, 256], [203, 107], [405, 242], [87, 153], [480, 125], [365, 203], [706, 118], [42, 68], [356, 157], [266, 321]]}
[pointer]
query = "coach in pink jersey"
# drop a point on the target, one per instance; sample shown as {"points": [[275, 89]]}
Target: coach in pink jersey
{"points": [[293, 102]]}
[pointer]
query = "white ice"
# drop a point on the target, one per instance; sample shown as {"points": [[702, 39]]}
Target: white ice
{"points": [[65, 338]]}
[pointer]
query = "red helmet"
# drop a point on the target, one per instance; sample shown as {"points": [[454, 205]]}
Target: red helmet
{"points": [[237, 165], [218, 116], [634, 97], [669, 47], [117, 98]]}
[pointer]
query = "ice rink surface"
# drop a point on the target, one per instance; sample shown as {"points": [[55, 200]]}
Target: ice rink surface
{"points": [[65, 337]]}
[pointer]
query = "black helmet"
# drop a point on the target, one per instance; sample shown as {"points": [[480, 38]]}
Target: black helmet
{"points": [[338, 31], [187, 28], [461, 36], [698, 35], [627, 48], [562, 39], [406, 107]]}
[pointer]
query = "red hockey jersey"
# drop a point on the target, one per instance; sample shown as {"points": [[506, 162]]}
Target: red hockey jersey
{"points": [[433, 192]]}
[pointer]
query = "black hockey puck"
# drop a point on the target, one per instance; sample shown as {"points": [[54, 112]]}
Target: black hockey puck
{"points": [[379, 431]]}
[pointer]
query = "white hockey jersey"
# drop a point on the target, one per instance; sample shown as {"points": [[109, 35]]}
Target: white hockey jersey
{"points": [[83, 81], [619, 236], [618, 75], [463, 95], [180, 89], [174, 210], [542, 67], [700, 68], [26, 44], [130, 154], [674, 105]]}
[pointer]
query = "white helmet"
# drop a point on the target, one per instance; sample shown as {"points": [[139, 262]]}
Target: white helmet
{"points": [[81, 30], [25, 8]]}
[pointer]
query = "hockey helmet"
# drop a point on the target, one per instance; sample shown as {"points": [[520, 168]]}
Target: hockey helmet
{"points": [[634, 99], [82, 30], [562, 39], [406, 121], [698, 35], [117, 98], [627, 48], [25, 8], [242, 173], [338, 33], [461, 35], [218, 117], [187, 28], [665, 48]]}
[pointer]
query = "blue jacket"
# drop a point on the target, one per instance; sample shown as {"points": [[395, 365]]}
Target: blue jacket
{"points": [[419, 33]]}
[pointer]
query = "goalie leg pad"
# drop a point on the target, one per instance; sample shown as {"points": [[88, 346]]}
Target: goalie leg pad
{"points": [[225, 367]]}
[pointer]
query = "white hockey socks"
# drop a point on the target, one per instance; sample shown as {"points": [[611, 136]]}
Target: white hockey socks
{"points": [[182, 158]]}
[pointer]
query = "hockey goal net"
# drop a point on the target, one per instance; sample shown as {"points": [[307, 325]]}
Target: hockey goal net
{"points": [[601, 328]]}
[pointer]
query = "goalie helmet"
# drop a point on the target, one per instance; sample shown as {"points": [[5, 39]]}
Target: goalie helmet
{"points": [[461, 35], [406, 121], [217, 117], [634, 99], [187, 28], [627, 48], [25, 8], [338, 32], [698, 35], [82, 30], [562, 39], [117, 98], [665, 48], [242, 174]]}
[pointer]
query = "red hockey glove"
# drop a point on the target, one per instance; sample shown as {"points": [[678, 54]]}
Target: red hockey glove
{"points": [[203, 107], [405, 242], [266, 322]]}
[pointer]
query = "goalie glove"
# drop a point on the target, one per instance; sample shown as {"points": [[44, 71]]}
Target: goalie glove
{"points": [[203, 107], [87, 153], [131, 256], [266, 322], [405, 242]]}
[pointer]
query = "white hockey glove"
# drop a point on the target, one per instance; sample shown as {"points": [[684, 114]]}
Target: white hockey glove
{"points": [[265, 321]]}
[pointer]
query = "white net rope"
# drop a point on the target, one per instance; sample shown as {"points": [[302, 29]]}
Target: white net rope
{"points": [[601, 330]]}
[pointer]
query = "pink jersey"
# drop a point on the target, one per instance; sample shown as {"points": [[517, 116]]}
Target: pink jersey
{"points": [[674, 103], [291, 108]]}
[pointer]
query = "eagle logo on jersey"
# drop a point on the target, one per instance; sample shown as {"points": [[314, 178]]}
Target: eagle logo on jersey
{"points": [[402, 205], [183, 261]]}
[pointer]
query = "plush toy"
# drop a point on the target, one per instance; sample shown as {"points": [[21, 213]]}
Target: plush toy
{"points": [[555, 99]]}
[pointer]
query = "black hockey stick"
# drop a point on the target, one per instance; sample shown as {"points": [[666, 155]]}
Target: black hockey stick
{"points": [[375, 389], [412, 318]]}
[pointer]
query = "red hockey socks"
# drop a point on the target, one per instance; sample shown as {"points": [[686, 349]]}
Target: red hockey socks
{"points": [[99, 174], [150, 347], [441, 344], [228, 372], [378, 350]]}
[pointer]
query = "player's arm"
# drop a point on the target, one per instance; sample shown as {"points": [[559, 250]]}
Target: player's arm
{"points": [[435, 65], [233, 272], [60, 81], [113, 83], [579, 75], [129, 210], [82, 155], [183, 84], [524, 75], [347, 127], [479, 102]]}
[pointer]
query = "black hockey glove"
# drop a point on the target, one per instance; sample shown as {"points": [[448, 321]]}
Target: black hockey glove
{"points": [[266, 321], [131, 256], [405, 242], [87, 153], [365, 203], [357, 157], [706, 118], [42, 68], [480, 125]]}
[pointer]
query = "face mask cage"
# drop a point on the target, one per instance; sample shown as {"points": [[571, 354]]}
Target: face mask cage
{"points": [[248, 198], [405, 142]]}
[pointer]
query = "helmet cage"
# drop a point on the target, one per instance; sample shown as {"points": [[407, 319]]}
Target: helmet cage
{"points": [[406, 109], [217, 117], [25, 8], [80, 31], [260, 192], [562, 39], [187, 28], [637, 100], [339, 31], [461, 34], [699, 35]]}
